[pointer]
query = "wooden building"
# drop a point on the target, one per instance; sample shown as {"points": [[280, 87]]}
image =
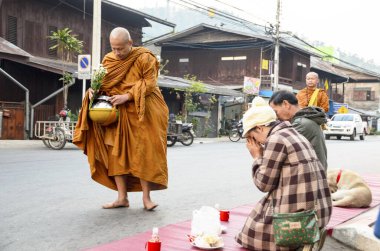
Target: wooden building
{"points": [[350, 85], [30, 70], [224, 57]]}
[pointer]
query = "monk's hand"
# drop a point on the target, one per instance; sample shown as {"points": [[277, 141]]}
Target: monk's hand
{"points": [[119, 99], [90, 92], [254, 148]]}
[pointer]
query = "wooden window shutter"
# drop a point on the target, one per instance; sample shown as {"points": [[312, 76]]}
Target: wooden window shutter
{"points": [[50, 42], [12, 30]]}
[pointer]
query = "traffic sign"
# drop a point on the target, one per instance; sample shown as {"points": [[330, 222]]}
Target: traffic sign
{"points": [[342, 109], [84, 66]]}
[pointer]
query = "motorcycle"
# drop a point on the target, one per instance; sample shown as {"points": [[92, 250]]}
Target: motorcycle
{"points": [[179, 132], [236, 132], [55, 134]]}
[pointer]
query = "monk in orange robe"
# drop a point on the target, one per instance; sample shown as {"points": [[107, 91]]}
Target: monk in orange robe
{"points": [[130, 154], [305, 95]]}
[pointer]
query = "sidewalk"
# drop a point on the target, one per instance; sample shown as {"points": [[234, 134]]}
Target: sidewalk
{"points": [[37, 142], [358, 232], [212, 140]]}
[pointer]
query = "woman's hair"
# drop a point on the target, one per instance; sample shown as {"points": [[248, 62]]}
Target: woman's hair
{"points": [[279, 97]]}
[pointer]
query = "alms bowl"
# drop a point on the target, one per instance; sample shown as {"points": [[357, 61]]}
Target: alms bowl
{"points": [[103, 116]]}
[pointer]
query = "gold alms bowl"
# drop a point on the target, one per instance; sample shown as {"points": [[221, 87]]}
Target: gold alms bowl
{"points": [[104, 116]]}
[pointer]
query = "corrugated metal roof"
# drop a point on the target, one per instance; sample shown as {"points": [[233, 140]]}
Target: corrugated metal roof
{"points": [[325, 66], [52, 65], [180, 83], [243, 36], [9, 48], [147, 16]]}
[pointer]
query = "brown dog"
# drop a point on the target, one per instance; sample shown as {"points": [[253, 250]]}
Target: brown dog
{"points": [[348, 189]]}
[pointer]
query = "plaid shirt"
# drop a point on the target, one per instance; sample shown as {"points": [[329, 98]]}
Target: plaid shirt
{"points": [[294, 179]]}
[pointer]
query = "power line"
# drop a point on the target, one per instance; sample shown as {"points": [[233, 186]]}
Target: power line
{"points": [[222, 14], [244, 22], [331, 56], [236, 8]]}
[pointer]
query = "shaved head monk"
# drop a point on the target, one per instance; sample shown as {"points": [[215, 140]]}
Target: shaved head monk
{"points": [[311, 95], [130, 154]]}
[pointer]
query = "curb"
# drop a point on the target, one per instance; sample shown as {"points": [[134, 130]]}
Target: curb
{"points": [[358, 232]]}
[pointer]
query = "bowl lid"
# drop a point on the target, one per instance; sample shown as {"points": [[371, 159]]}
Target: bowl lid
{"points": [[103, 97]]}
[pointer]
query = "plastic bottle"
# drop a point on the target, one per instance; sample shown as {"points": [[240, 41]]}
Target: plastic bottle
{"points": [[155, 236]]}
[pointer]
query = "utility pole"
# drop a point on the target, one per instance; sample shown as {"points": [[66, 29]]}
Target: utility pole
{"points": [[96, 31], [277, 48]]}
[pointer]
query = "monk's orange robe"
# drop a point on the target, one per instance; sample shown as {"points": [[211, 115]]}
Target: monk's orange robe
{"points": [[304, 97], [134, 146]]}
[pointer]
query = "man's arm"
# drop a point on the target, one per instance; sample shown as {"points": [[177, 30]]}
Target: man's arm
{"points": [[302, 98], [148, 69], [324, 101]]}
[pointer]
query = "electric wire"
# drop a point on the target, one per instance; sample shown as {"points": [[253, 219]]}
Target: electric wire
{"points": [[244, 21]]}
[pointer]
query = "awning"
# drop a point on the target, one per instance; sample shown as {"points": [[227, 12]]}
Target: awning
{"points": [[180, 83], [52, 65], [11, 49]]}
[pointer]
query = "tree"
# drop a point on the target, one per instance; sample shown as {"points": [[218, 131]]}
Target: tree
{"points": [[193, 101], [67, 46], [191, 95]]}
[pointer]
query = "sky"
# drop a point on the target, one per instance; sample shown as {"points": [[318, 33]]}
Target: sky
{"points": [[352, 26]]}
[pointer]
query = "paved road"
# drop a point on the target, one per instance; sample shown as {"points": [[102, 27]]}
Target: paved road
{"points": [[48, 201]]}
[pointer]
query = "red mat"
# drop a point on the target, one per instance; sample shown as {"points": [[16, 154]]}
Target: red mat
{"points": [[174, 236], [341, 214]]}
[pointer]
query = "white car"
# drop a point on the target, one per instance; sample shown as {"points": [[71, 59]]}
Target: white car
{"points": [[347, 125]]}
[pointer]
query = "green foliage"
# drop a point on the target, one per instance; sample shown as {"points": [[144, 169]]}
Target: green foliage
{"points": [[373, 131], [96, 81], [67, 78], [162, 67], [73, 116], [67, 44], [191, 101]]}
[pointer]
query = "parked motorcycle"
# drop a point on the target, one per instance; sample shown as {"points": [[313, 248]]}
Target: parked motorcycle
{"points": [[55, 134], [178, 132], [236, 132]]}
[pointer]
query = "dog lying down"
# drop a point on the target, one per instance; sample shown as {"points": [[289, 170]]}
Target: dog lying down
{"points": [[348, 189]]}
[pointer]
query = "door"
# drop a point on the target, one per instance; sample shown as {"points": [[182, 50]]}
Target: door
{"points": [[13, 121]]}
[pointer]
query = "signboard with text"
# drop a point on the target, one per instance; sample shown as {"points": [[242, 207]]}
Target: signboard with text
{"points": [[84, 66]]}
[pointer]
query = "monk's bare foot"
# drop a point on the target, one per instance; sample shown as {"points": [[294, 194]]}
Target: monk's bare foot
{"points": [[116, 204], [150, 205]]}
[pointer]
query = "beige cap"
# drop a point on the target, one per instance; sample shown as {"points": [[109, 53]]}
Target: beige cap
{"points": [[260, 113]]}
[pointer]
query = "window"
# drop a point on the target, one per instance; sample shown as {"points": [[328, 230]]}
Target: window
{"points": [[363, 94], [32, 33], [12, 30], [183, 60], [234, 58], [184, 66], [50, 42], [343, 118], [300, 71]]}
